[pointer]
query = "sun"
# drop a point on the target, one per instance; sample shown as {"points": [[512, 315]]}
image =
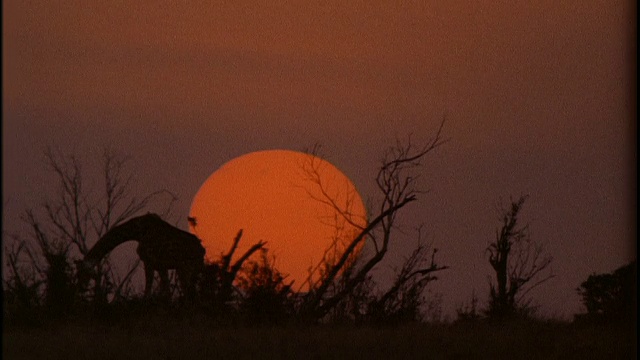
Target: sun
{"points": [[301, 205]]}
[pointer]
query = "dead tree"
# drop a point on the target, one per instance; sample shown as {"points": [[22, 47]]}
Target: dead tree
{"points": [[518, 262], [68, 224], [396, 181]]}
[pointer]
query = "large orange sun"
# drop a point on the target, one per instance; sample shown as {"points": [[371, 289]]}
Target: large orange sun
{"points": [[301, 205]]}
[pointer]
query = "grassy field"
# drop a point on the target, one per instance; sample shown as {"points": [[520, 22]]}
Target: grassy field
{"points": [[192, 340]]}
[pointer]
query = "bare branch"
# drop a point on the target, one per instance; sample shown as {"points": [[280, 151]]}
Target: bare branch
{"points": [[226, 259], [396, 184], [236, 267], [77, 217]]}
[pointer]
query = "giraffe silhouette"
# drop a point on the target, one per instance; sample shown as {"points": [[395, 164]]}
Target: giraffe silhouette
{"points": [[161, 247]]}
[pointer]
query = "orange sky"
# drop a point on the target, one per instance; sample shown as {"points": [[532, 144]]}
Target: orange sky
{"points": [[537, 97]]}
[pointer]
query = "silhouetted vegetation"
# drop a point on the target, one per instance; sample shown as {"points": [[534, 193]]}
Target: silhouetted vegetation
{"points": [[519, 264], [67, 227], [343, 274], [344, 311], [266, 298], [217, 291], [402, 302], [40, 277], [21, 286], [611, 297], [469, 312]]}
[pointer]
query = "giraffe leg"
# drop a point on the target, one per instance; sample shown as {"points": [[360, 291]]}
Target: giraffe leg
{"points": [[187, 283], [164, 283], [148, 278]]}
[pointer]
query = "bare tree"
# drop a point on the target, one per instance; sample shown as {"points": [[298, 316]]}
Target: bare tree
{"points": [[396, 180], [78, 216], [519, 264]]}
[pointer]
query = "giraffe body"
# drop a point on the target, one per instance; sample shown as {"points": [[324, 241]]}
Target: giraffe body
{"points": [[161, 247]]}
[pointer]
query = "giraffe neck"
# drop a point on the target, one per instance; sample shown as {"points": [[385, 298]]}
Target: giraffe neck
{"points": [[133, 229]]}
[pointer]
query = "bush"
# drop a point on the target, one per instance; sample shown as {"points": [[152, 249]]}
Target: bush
{"points": [[610, 297]]}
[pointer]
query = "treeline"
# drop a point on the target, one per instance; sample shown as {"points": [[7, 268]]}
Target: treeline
{"points": [[259, 294], [41, 282]]}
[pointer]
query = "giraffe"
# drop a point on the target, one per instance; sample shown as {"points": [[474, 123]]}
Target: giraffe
{"points": [[161, 247]]}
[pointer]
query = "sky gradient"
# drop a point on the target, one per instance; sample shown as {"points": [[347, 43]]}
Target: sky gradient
{"points": [[539, 99]]}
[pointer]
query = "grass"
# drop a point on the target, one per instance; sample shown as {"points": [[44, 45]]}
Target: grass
{"points": [[192, 339]]}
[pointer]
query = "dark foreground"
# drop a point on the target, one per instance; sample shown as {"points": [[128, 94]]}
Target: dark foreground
{"points": [[191, 340]]}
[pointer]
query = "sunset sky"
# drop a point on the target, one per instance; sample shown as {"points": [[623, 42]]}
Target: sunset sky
{"points": [[538, 96]]}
